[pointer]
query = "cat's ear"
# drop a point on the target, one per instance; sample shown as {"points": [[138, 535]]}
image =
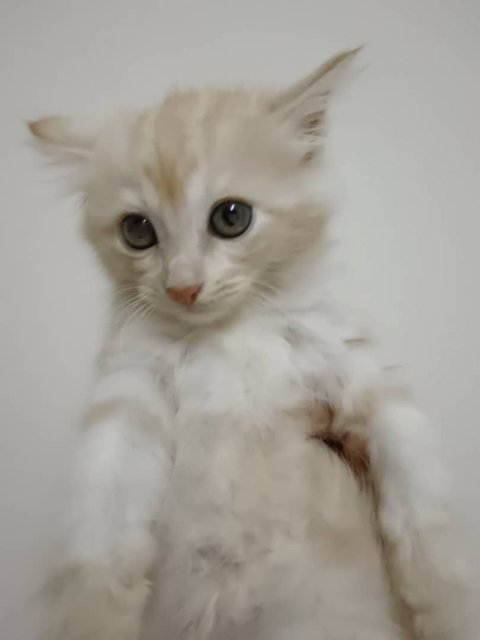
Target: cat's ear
{"points": [[66, 141], [305, 104]]}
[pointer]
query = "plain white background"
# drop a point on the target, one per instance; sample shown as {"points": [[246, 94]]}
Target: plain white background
{"points": [[405, 142]]}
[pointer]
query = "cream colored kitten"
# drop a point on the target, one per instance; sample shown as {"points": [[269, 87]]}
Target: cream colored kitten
{"points": [[203, 508]]}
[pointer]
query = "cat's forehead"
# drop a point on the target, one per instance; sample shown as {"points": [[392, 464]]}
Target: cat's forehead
{"points": [[184, 135], [223, 135]]}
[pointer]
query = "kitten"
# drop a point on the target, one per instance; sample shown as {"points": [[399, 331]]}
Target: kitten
{"points": [[203, 508]]}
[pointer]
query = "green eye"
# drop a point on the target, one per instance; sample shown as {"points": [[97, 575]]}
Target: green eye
{"points": [[138, 232], [230, 218]]}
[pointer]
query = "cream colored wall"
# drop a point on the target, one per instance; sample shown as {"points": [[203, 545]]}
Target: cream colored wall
{"points": [[406, 147]]}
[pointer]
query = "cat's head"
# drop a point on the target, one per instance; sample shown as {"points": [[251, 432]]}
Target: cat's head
{"points": [[202, 204]]}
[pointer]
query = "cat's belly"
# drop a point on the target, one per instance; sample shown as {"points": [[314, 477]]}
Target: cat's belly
{"points": [[264, 524]]}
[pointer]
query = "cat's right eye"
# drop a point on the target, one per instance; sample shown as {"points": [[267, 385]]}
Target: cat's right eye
{"points": [[138, 231]]}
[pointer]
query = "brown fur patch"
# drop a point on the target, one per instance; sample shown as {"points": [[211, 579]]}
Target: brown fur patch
{"points": [[351, 447]]}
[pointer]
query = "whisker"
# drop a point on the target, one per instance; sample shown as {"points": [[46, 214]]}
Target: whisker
{"points": [[134, 307], [265, 302]]}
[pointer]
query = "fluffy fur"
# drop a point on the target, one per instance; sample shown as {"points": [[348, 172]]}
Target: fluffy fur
{"points": [[203, 507]]}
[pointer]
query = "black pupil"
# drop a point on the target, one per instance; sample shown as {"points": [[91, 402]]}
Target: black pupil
{"points": [[231, 216], [138, 232], [230, 219], [140, 229]]}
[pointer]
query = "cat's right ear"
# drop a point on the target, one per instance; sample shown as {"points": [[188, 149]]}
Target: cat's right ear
{"points": [[66, 141]]}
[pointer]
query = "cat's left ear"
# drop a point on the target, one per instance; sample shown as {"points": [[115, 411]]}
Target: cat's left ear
{"points": [[305, 104], [66, 141]]}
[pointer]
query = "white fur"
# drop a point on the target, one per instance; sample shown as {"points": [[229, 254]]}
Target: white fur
{"points": [[196, 470], [261, 531]]}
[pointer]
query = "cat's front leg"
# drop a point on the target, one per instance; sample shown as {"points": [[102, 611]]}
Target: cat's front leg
{"points": [[424, 550], [101, 585]]}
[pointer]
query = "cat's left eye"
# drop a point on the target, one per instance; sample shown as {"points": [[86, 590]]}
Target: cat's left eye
{"points": [[230, 218], [138, 231]]}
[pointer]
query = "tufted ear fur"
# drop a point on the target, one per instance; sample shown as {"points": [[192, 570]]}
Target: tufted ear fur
{"points": [[65, 141], [305, 103]]}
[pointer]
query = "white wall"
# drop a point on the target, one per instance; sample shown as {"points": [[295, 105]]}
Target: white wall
{"points": [[406, 145]]}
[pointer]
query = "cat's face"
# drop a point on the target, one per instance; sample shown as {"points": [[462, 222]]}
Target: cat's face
{"points": [[200, 206]]}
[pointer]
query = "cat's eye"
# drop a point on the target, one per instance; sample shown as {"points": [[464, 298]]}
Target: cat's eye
{"points": [[138, 231], [230, 218]]}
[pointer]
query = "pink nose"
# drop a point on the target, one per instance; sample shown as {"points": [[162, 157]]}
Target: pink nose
{"points": [[184, 295]]}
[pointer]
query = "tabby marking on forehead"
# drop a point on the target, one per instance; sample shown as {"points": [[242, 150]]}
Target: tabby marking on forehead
{"points": [[173, 159]]}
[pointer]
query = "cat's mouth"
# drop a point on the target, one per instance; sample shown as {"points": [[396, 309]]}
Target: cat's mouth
{"points": [[203, 311], [209, 306]]}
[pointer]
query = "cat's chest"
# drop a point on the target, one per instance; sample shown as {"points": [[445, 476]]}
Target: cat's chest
{"points": [[258, 372], [241, 446]]}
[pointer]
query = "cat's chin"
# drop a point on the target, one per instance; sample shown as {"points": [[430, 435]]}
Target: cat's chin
{"points": [[201, 315]]}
